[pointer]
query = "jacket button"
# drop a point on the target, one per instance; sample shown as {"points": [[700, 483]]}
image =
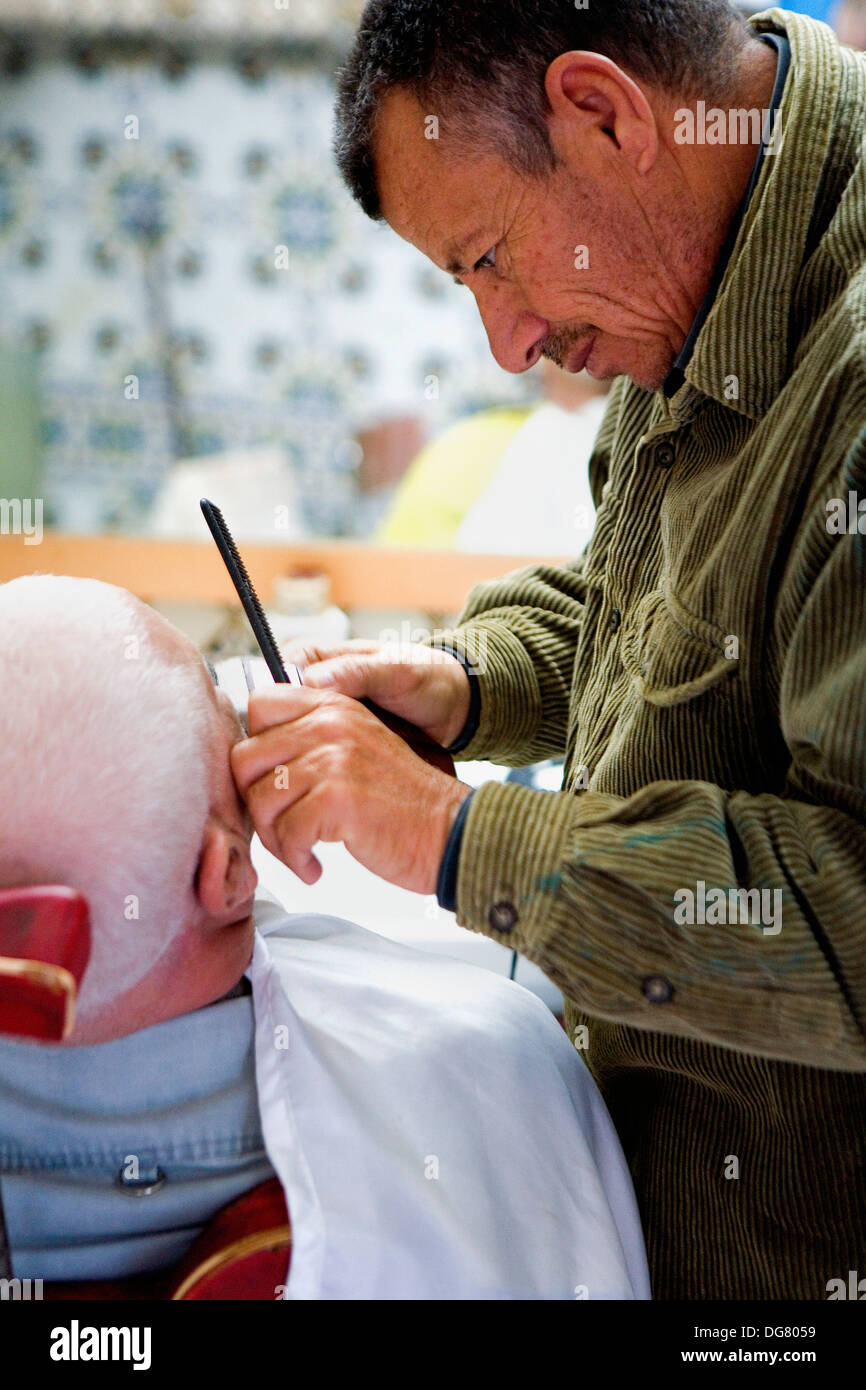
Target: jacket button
{"points": [[657, 989], [665, 455], [149, 1180], [614, 620], [502, 916]]}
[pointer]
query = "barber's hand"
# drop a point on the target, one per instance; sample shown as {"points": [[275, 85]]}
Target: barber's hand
{"points": [[320, 766], [430, 688]]}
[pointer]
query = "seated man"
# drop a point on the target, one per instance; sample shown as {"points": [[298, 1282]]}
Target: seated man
{"points": [[434, 1132]]}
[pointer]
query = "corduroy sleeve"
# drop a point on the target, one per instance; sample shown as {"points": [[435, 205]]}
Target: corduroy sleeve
{"points": [[591, 886], [518, 634]]}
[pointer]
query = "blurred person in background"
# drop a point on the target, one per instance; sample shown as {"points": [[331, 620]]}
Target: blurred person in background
{"points": [[849, 20], [470, 488]]}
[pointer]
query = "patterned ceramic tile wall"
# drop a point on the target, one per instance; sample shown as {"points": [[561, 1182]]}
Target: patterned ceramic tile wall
{"points": [[144, 187]]}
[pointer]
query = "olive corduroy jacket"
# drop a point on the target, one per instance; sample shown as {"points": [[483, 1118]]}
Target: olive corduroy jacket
{"points": [[702, 667]]}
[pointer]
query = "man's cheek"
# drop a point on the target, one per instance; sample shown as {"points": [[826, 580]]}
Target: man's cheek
{"points": [[235, 720]]}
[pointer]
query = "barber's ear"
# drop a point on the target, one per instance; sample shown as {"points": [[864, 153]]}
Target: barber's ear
{"points": [[225, 878], [593, 87]]}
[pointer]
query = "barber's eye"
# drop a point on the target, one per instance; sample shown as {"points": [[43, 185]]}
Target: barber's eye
{"points": [[487, 262]]}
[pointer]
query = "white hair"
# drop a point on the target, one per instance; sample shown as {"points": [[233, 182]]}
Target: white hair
{"points": [[105, 737]]}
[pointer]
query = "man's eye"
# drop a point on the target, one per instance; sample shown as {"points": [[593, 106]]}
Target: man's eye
{"points": [[487, 262]]}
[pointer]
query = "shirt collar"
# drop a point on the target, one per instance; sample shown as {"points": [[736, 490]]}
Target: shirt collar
{"points": [[740, 328], [676, 376]]}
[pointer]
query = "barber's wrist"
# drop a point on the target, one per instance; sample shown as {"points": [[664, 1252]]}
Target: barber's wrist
{"points": [[473, 718], [446, 886]]}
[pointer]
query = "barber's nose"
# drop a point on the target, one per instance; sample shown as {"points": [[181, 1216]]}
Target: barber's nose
{"points": [[516, 335]]}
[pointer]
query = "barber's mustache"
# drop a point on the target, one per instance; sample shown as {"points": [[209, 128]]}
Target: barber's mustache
{"points": [[558, 347]]}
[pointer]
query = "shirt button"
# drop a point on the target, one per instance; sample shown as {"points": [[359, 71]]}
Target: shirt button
{"points": [[665, 455], [657, 989], [149, 1180], [502, 916], [614, 620]]}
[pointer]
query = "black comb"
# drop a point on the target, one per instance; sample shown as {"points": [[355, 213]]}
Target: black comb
{"points": [[246, 593], [418, 741]]}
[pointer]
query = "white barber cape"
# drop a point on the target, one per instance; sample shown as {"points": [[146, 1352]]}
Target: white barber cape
{"points": [[435, 1133]]}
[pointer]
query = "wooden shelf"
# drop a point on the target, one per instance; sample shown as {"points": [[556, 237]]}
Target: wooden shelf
{"points": [[362, 576]]}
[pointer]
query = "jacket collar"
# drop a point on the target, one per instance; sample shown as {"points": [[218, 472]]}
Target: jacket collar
{"points": [[746, 329]]}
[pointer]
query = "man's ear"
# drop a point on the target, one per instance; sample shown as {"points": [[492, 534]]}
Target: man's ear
{"points": [[225, 878], [592, 85]]}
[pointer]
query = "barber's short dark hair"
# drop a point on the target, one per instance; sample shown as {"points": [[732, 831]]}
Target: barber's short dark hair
{"points": [[481, 64]]}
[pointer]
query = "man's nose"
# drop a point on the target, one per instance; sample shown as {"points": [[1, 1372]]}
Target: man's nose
{"points": [[516, 335]]}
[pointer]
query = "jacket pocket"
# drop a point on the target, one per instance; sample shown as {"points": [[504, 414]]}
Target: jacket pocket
{"points": [[671, 655]]}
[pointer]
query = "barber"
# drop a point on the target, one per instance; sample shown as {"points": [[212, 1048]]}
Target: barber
{"points": [[697, 889]]}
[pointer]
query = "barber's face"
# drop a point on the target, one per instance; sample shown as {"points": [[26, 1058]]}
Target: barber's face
{"points": [[573, 267]]}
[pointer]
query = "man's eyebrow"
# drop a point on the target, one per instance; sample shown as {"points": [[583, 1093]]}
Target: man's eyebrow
{"points": [[456, 252]]}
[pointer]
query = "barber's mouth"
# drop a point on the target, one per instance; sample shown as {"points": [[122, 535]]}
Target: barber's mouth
{"points": [[580, 358]]}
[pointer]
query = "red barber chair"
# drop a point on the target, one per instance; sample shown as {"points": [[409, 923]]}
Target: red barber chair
{"points": [[243, 1252]]}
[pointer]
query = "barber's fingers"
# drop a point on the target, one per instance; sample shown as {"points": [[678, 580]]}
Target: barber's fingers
{"points": [[305, 654], [263, 753], [288, 815], [389, 676], [423, 684], [321, 726], [301, 861], [286, 704]]}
